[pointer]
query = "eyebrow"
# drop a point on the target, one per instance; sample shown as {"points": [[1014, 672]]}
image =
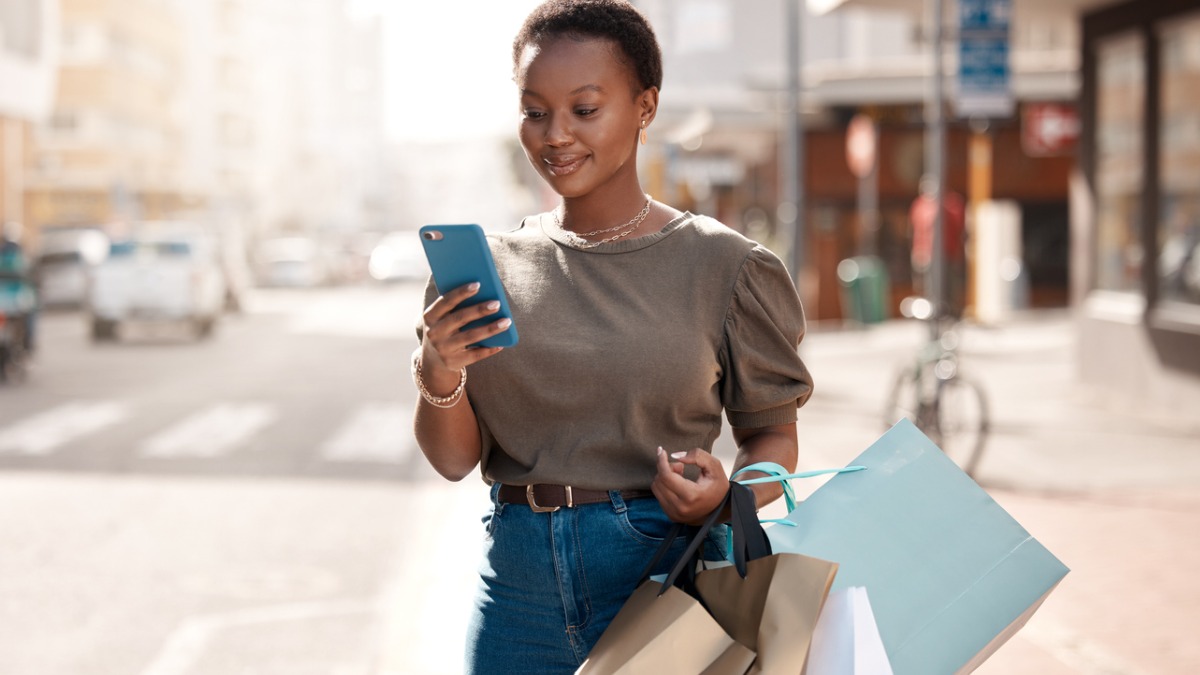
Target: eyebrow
{"points": [[587, 87]]}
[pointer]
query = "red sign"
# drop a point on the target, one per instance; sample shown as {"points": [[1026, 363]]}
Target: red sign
{"points": [[1049, 129]]}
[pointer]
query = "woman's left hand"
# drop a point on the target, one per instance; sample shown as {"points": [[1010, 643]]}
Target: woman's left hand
{"points": [[683, 500]]}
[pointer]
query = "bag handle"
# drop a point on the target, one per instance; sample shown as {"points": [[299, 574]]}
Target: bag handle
{"points": [[686, 564], [748, 539], [778, 474]]}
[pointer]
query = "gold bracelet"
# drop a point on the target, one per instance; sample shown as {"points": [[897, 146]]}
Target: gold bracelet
{"points": [[438, 401]]}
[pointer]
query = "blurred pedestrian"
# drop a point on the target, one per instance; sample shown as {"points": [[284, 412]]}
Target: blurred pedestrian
{"points": [[640, 326], [18, 297], [954, 260]]}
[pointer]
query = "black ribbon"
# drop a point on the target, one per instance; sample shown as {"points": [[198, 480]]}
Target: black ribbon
{"points": [[750, 541]]}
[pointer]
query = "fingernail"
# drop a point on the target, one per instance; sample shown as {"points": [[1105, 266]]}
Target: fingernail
{"points": [[494, 305], [473, 286], [504, 323], [678, 455], [660, 450]]}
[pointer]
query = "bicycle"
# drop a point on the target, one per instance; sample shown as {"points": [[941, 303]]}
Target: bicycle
{"points": [[948, 407]]}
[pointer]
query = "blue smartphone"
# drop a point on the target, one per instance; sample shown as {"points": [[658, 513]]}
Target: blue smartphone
{"points": [[459, 255]]}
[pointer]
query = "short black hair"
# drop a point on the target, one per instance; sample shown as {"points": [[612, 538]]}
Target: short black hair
{"points": [[614, 20]]}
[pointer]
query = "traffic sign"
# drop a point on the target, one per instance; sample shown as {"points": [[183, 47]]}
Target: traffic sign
{"points": [[1049, 129], [984, 88]]}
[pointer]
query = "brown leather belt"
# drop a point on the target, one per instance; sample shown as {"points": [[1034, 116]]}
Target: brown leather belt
{"points": [[544, 497]]}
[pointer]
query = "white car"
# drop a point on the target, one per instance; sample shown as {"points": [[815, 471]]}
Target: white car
{"points": [[399, 257], [157, 276], [292, 262], [64, 263]]}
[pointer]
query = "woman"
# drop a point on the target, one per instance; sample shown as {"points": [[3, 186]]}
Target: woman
{"points": [[640, 326]]}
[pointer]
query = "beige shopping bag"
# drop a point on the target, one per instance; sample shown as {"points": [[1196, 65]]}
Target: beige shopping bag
{"points": [[665, 634], [773, 610], [755, 616]]}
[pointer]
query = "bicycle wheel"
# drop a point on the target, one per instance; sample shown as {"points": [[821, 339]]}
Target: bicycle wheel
{"points": [[962, 422], [911, 398]]}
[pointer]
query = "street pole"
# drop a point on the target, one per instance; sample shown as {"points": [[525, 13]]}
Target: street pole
{"points": [[935, 149], [791, 210]]}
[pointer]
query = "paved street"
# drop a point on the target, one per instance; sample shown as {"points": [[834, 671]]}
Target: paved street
{"points": [[254, 503], [1112, 494], [251, 503]]}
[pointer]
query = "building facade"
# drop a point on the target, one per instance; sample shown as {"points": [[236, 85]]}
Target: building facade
{"points": [[255, 116], [28, 69], [111, 148], [1137, 276], [722, 134], [1134, 188]]}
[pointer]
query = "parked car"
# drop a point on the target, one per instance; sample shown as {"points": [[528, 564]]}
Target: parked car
{"points": [[158, 275], [399, 257], [296, 262], [63, 264]]}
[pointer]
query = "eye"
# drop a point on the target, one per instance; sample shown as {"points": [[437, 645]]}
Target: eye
{"points": [[533, 114], [585, 112]]}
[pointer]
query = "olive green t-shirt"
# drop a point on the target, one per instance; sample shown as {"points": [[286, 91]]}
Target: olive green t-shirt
{"points": [[631, 345]]}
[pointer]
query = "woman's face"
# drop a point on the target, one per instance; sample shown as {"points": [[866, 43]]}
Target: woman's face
{"points": [[580, 116]]}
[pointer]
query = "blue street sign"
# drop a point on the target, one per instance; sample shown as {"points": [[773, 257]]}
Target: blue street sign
{"points": [[984, 83]]}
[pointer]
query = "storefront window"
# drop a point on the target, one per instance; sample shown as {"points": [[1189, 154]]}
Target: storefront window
{"points": [[1179, 148], [1120, 98]]}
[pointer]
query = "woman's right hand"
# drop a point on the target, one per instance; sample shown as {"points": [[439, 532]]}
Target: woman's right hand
{"points": [[449, 436], [446, 348]]}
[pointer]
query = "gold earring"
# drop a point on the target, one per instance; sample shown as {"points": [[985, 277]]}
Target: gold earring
{"points": [[643, 134]]}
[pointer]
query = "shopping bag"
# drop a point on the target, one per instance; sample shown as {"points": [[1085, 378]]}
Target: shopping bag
{"points": [[846, 640], [667, 633], [771, 603], [664, 627], [952, 576], [710, 619]]}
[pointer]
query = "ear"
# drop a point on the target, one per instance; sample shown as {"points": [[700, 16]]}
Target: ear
{"points": [[647, 102]]}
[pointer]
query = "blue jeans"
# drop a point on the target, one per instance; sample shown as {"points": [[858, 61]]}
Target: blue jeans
{"points": [[550, 583]]}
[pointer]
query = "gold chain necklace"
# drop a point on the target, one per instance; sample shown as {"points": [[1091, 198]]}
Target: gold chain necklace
{"points": [[578, 237]]}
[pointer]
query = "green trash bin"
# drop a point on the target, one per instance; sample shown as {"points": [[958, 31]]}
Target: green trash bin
{"points": [[865, 290]]}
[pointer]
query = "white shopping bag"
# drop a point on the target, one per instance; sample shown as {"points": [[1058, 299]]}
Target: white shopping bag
{"points": [[846, 640]]}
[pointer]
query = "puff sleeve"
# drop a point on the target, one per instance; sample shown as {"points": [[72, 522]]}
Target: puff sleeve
{"points": [[764, 380]]}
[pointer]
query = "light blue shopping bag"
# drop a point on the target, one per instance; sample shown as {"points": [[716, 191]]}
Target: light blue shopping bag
{"points": [[950, 574]]}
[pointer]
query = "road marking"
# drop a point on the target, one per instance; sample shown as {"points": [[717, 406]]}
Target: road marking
{"points": [[214, 431], [43, 433], [189, 642], [377, 432]]}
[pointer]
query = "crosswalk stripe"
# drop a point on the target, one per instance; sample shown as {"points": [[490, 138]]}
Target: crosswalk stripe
{"points": [[377, 432], [214, 431], [46, 431]]}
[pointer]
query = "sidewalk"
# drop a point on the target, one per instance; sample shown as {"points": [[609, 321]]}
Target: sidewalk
{"points": [[1112, 494]]}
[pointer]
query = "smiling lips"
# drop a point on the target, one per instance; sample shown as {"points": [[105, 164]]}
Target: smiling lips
{"points": [[565, 165]]}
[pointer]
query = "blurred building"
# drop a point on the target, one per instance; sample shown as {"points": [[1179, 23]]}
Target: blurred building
{"points": [[256, 116], [284, 115], [720, 132], [1094, 163], [111, 148], [1136, 206], [28, 69]]}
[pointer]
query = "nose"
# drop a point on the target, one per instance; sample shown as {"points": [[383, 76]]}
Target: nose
{"points": [[558, 131]]}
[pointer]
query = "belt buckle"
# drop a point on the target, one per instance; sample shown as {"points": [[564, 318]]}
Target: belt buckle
{"points": [[545, 509]]}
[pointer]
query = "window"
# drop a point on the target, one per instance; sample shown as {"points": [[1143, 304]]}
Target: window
{"points": [[1120, 112], [21, 27], [1179, 162]]}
